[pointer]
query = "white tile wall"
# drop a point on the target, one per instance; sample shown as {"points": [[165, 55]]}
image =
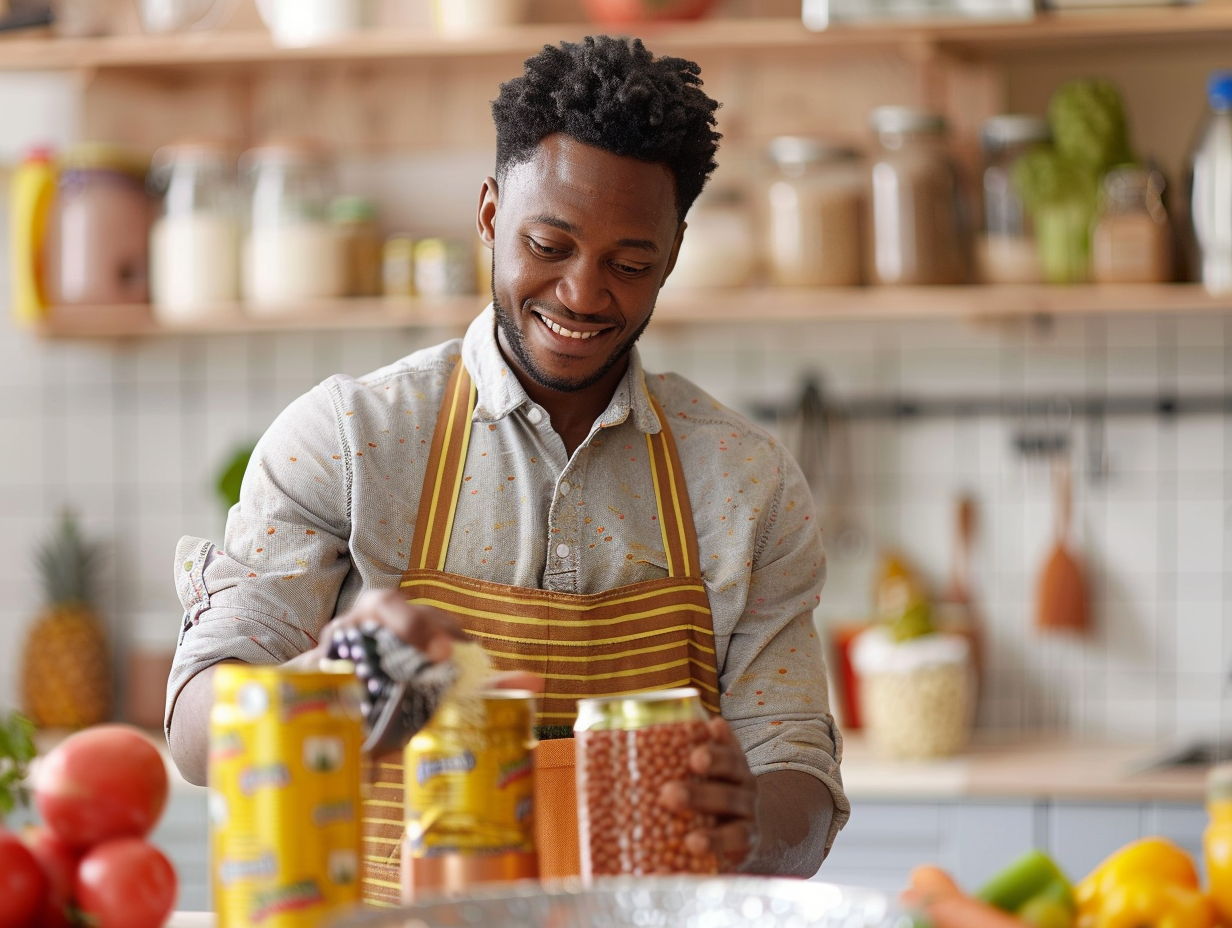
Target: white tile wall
{"points": [[134, 434]]}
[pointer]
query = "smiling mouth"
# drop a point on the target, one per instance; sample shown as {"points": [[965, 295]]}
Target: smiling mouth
{"points": [[568, 333]]}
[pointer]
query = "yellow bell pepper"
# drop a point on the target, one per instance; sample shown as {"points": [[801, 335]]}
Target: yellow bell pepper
{"points": [[1150, 883]]}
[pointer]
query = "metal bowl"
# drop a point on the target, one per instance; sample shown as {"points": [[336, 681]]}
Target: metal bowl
{"points": [[650, 902]]}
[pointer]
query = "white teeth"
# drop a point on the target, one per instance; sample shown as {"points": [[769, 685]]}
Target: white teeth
{"points": [[567, 333]]}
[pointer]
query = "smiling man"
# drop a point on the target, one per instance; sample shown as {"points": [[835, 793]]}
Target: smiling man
{"points": [[602, 528]]}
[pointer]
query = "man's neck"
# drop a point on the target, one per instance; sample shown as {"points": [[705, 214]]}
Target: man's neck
{"points": [[573, 413]]}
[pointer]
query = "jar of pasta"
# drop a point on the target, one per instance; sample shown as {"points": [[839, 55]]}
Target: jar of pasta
{"points": [[1131, 242], [628, 747]]}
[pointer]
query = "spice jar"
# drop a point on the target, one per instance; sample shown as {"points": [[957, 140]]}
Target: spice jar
{"points": [[1131, 242], [718, 248], [918, 695], [354, 219], [917, 227], [628, 747], [100, 228], [813, 214], [195, 242], [1006, 252], [292, 252]]}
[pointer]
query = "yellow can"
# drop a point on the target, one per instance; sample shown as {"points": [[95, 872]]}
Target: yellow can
{"points": [[284, 795], [469, 785]]}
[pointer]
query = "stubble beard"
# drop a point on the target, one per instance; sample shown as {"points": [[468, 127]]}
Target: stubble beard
{"points": [[521, 354]]}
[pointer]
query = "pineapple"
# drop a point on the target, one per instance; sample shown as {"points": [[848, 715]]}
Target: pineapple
{"points": [[66, 666]]}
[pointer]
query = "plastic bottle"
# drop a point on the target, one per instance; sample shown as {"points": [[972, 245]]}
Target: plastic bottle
{"points": [[1217, 840], [1211, 197], [33, 188]]}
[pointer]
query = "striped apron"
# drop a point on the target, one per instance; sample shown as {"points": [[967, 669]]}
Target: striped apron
{"points": [[656, 634]]}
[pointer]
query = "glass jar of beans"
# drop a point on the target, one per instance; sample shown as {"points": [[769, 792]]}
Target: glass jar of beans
{"points": [[628, 747]]}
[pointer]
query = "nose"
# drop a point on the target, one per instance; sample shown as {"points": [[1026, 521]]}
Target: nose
{"points": [[582, 289]]}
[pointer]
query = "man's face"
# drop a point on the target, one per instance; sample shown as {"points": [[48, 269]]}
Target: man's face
{"points": [[582, 241]]}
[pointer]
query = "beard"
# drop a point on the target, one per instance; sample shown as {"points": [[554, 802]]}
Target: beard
{"points": [[547, 379]]}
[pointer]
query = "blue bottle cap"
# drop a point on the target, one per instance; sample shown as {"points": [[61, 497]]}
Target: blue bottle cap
{"points": [[1219, 90]]}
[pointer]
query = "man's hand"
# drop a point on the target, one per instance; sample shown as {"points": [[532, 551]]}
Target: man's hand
{"points": [[727, 790]]}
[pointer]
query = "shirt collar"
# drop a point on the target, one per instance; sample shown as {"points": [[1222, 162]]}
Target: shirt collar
{"points": [[500, 392]]}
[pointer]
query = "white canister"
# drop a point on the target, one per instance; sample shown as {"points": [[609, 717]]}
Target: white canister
{"points": [[195, 242], [454, 17], [298, 23], [292, 252]]}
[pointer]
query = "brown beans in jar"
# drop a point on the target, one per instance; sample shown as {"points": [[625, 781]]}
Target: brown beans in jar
{"points": [[624, 828]]}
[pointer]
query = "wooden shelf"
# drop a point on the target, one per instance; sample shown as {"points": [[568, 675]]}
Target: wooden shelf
{"points": [[1211, 19], [675, 308]]}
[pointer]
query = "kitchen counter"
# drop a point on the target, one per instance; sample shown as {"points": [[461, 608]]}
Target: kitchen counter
{"points": [[1025, 767]]}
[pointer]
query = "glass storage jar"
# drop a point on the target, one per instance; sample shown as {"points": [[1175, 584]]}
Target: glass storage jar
{"points": [[1131, 242], [813, 214], [628, 747], [355, 220], [917, 225], [1006, 251], [195, 241], [292, 252], [100, 227], [718, 248]]}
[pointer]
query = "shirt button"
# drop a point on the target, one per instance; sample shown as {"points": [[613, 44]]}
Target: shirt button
{"points": [[565, 487], [562, 551], [534, 416]]}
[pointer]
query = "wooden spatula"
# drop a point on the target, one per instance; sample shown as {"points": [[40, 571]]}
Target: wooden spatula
{"points": [[1061, 599]]}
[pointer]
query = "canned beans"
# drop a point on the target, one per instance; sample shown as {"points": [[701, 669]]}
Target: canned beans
{"points": [[623, 827]]}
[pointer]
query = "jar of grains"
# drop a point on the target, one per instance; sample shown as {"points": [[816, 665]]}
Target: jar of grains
{"points": [[813, 218], [628, 747], [917, 696], [195, 242], [718, 248], [1006, 252], [918, 229], [292, 252], [1131, 242]]}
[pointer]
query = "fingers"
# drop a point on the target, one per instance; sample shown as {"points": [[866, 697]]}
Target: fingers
{"points": [[731, 843], [427, 628]]}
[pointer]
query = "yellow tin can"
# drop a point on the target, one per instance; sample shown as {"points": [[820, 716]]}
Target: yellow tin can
{"points": [[469, 781], [284, 795]]}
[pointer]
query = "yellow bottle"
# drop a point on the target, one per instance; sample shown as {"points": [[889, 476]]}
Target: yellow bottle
{"points": [[1217, 840], [33, 188]]}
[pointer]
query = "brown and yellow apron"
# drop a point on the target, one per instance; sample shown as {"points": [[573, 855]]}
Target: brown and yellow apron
{"points": [[656, 634]]}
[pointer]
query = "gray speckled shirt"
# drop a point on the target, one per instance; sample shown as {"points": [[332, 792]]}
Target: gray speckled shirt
{"points": [[329, 502]]}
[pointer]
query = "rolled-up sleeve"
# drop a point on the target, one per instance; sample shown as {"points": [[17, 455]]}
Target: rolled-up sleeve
{"points": [[264, 595], [775, 691]]}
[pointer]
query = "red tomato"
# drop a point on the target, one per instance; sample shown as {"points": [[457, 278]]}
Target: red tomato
{"points": [[125, 883], [23, 886], [104, 782], [59, 862]]}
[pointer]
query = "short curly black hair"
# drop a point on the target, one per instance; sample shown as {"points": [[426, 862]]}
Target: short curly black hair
{"points": [[615, 95]]}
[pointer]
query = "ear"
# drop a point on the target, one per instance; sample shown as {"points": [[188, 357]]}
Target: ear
{"points": [[485, 218], [671, 261]]}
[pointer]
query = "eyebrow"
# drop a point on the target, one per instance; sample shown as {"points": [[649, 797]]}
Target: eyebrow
{"points": [[565, 226]]}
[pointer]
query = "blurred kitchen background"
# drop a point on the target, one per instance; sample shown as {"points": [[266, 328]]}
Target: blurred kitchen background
{"points": [[908, 407]]}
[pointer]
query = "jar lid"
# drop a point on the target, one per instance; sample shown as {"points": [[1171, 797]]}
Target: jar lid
{"points": [[1013, 129], [196, 150], [1219, 90], [1131, 179], [352, 209], [800, 150], [896, 119], [104, 156]]}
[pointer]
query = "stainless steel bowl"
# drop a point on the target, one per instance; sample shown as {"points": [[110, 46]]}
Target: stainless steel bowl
{"points": [[651, 902]]}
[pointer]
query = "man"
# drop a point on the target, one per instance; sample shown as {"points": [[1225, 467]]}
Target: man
{"points": [[601, 528]]}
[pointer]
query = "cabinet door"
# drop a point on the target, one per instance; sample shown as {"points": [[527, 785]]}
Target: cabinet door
{"points": [[882, 842], [1081, 835], [1182, 822], [982, 837], [183, 835]]}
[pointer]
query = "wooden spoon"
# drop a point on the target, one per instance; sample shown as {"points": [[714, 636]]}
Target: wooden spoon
{"points": [[1061, 598]]}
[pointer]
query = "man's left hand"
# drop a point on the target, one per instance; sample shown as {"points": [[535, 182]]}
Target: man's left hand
{"points": [[726, 789]]}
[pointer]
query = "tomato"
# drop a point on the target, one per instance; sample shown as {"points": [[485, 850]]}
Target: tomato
{"points": [[125, 883], [23, 886], [624, 12], [59, 861], [104, 782]]}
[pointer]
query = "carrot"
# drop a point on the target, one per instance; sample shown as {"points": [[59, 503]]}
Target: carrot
{"points": [[931, 881], [933, 893]]}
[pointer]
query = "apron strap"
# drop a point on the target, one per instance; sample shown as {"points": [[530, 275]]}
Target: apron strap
{"points": [[672, 495], [443, 480]]}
